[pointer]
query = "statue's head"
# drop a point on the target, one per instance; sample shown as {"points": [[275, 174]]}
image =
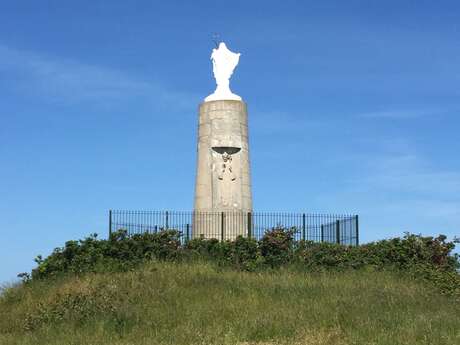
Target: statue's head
{"points": [[226, 157], [222, 45]]}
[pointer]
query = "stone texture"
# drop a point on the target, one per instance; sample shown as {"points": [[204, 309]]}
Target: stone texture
{"points": [[223, 182]]}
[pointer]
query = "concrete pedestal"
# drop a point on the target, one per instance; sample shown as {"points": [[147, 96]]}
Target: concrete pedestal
{"points": [[223, 180]]}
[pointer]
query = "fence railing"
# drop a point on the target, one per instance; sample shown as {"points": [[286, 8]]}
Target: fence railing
{"points": [[342, 229]]}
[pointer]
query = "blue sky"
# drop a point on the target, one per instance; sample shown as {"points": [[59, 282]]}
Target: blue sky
{"points": [[353, 108]]}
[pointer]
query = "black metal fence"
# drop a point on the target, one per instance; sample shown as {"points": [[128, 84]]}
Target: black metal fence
{"points": [[342, 229]]}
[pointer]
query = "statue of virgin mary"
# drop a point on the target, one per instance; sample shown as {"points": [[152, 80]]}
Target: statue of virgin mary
{"points": [[224, 62]]}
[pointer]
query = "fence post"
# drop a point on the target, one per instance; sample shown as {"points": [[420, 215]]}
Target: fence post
{"points": [[222, 226], [322, 233], [249, 224], [303, 226], [110, 223], [357, 230], [187, 233], [167, 220], [337, 231]]}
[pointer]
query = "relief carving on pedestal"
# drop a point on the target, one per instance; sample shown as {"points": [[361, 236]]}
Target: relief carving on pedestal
{"points": [[225, 173], [226, 167]]}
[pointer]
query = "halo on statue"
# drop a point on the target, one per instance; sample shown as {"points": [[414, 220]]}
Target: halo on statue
{"points": [[224, 63]]}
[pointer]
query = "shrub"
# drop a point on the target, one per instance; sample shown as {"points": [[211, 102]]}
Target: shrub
{"points": [[429, 258], [244, 253], [401, 253], [119, 252], [326, 256], [448, 282], [276, 246], [409, 251], [162, 245], [208, 248]]}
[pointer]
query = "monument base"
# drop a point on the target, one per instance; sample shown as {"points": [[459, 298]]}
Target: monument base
{"points": [[223, 183]]}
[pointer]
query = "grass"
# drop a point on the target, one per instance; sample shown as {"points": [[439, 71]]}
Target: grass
{"points": [[198, 303]]}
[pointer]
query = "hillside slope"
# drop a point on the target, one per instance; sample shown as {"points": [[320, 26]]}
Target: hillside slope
{"points": [[199, 303]]}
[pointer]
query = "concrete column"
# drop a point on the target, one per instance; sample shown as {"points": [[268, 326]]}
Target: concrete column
{"points": [[223, 179]]}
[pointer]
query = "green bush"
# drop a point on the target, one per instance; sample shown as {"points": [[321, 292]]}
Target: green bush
{"points": [[401, 253], [120, 252], [206, 248], [243, 253], [276, 246], [429, 258], [326, 256], [412, 250]]}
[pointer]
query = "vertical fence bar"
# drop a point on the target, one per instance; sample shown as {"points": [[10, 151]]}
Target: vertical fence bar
{"points": [[249, 224], [222, 226], [167, 221], [303, 226], [337, 231], [110, 223], [357, 230], [322, 233], [187, 233]]}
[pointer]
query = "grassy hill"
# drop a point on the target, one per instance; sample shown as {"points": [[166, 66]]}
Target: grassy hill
{"points": [[154, 289], [203, 303]]}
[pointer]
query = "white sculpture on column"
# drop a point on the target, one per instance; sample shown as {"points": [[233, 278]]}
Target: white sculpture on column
{"points": [[223, 63]]}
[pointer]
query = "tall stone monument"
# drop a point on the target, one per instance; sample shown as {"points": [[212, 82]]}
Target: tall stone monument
{"points": [[223, 181]]}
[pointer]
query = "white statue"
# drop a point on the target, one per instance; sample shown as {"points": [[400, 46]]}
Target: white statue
{"points": [[223, 63]]}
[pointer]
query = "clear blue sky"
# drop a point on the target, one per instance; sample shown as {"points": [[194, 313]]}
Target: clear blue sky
{"points": [[354, 108]]}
